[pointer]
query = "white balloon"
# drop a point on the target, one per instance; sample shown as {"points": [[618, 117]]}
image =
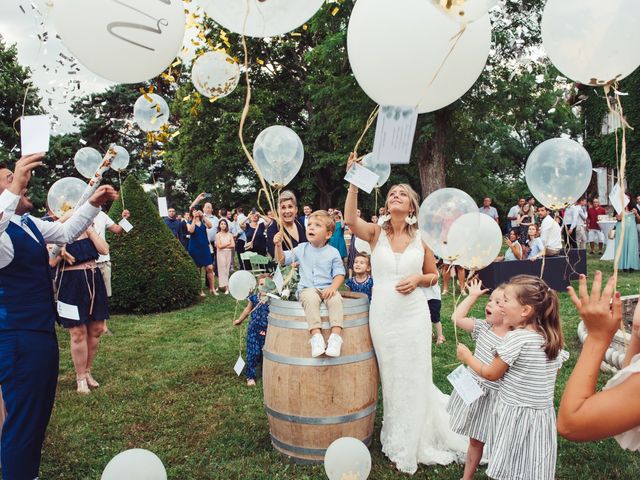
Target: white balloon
{"points": [[279, 154], [266, 18], [438, 212], [241, 284], [466, 11], [398, 71], [362, 247], [347, 457], [87, 160], [215, 74], [558, 172], [382, 169], [591, 41], [135, 464], [151, 112], [121, 160], [126, 42], [474, 241], [64, 195]]}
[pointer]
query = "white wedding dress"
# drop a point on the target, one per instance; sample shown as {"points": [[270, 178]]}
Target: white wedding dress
{"points": [[415, 426]]}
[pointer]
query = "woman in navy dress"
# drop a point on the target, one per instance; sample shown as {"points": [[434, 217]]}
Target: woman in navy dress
{"points": [[81, 290], [199, 247]]}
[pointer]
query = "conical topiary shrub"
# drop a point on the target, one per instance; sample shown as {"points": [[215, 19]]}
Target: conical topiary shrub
{"points": [[151, 271]]}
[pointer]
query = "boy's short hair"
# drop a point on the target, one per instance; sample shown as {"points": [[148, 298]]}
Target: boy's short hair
{"points": [[364, 255], [323, 217]]}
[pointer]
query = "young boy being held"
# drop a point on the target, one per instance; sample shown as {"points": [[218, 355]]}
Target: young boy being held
{"points": [[321, 274]]}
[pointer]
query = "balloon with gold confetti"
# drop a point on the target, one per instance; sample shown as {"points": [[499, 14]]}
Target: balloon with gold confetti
{"points": [[347, 458], [466, 11], [151, 112], [64, 195], [279, 153], [474, 240], [215, 74], [87, 160], [121, 160]]}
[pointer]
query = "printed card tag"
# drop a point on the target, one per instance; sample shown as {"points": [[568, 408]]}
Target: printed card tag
{"points": [[66, 310], [362, 177], [126, 225], [239, 366], [162, 206], [466, 386], [278, 279], [34, 134], [395, 129]]}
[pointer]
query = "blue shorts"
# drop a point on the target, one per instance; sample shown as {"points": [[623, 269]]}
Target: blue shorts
{"points": [[434, 310]]}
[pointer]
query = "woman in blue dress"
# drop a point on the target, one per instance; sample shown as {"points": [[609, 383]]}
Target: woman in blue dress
{"points": [[199, 247], [629, 257], [337, 239], [81, 292]]}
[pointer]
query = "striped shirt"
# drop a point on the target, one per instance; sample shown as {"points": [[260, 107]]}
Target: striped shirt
{"points": [[531, 378], [486, 343]]}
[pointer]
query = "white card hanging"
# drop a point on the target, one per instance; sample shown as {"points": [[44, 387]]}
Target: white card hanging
{"points": [[362, 177], [239, 366], [466, 386], [162, 206], [395, 129], [126, 225]]}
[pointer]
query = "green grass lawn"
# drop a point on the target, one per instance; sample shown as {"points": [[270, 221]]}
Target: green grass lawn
{"points": [[168, 386]]}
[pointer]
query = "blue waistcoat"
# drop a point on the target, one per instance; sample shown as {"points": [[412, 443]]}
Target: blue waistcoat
{"points": [[26, 290]]}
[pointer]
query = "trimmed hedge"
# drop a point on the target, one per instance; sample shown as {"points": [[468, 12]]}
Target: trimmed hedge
{"points": [[152, 272]]}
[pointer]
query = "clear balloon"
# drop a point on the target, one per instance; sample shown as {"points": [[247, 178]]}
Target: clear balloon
{"points": [[558, 172], [347, 457], [382, 169], [125, 42], [466, 11], [215, 74], [409, 71], [87, 160], [241, 284], [64, 195], [474, 241], [121, 160], [151, 112], [135, 464], [362, 247], [438, 212], [279, 154], [264, 18], [591, 41]]}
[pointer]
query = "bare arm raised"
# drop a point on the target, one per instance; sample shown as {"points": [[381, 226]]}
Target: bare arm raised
{"points": [[368, 232]]}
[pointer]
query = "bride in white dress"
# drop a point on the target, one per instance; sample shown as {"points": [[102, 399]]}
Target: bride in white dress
{"points": [[415, 426]]}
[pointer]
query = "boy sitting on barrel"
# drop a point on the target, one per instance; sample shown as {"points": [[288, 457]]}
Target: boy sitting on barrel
{"points": [[321, 274]]}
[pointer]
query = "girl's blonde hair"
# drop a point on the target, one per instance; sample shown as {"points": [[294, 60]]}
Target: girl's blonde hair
{"points": [[415, 204], [535, 292]]}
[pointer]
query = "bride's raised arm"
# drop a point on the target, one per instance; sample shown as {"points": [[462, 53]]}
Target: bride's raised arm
{"points": [[366, 231]]}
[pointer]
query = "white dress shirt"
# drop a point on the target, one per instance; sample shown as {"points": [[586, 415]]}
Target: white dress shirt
{"points": [[101, 223], [575, 216], [53, 232], [550, 233]]}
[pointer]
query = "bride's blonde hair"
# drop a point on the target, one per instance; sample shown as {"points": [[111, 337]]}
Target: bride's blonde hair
{"points": [[415, 204]]}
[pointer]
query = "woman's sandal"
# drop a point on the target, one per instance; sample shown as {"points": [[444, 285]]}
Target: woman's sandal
{"points": [[83, 386]]}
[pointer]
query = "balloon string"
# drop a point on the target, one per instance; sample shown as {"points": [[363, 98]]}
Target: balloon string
{"points": [[121, 191], [372, 116], [24, 105]]}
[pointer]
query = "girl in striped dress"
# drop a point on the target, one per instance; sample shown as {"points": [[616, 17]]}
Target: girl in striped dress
{"points": [[523, 431], [473, 420]]}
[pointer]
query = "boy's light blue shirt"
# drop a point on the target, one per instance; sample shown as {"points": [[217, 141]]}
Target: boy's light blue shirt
{"points": [[318, 266]]}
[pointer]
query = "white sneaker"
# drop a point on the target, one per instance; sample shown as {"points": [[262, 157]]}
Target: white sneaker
{"points": [[334, 345], [317, 345]]}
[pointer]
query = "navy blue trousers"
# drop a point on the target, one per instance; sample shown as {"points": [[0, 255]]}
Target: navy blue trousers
{"points": [[28, 375]]}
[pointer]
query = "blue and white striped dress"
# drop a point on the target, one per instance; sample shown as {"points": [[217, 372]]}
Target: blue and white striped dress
{"points": [[474, 421], [524, 438]]}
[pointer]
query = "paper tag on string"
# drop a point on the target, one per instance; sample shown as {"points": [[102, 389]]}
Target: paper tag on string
{"points": [[162, 206], [362, 177], [126, 225], [466, 386], [278, 279], [395, 129], [614, 199], [66, 310], [239, 366], [35, 131]]}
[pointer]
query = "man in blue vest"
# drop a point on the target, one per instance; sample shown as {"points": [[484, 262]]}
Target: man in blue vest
{"points": [[28, 344]]}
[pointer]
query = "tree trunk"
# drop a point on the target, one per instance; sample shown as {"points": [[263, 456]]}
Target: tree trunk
{"points": [[432, 158]]}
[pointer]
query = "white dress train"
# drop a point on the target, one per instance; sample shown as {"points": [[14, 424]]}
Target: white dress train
{"points": [[415, 425]]}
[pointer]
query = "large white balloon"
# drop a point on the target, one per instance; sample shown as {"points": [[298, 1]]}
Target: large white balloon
{"points": [[279, 154], [382, 169], [151, 112], [591, 41], [438, 212], [466, 11], [558, 172], [347, 457], [265, 18], [241, 284], [474, 241], [121, 160], [215, 74], [362, 247], [87, 160], [135, 464], [126, 42], [395, 52], [64, 195]]}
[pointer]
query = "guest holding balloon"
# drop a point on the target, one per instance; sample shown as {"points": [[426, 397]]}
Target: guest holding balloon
{"points": [[199, 247], [79, 283], [258, 308], [629, 255], [293, 230], [224, 252]]}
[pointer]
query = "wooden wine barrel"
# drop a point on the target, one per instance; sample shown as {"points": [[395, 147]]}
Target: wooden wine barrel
{"points": [[311, 402]]}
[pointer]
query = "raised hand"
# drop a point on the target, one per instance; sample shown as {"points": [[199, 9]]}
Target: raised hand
{"points": [[22, 172], [475, 288], [352, 159], [102, 195]]}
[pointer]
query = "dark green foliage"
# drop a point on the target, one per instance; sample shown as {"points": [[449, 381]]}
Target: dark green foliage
{"points": [[152, 272]]}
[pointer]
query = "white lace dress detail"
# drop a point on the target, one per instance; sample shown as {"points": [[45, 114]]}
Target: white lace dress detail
{"points": [[415, 425]]}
